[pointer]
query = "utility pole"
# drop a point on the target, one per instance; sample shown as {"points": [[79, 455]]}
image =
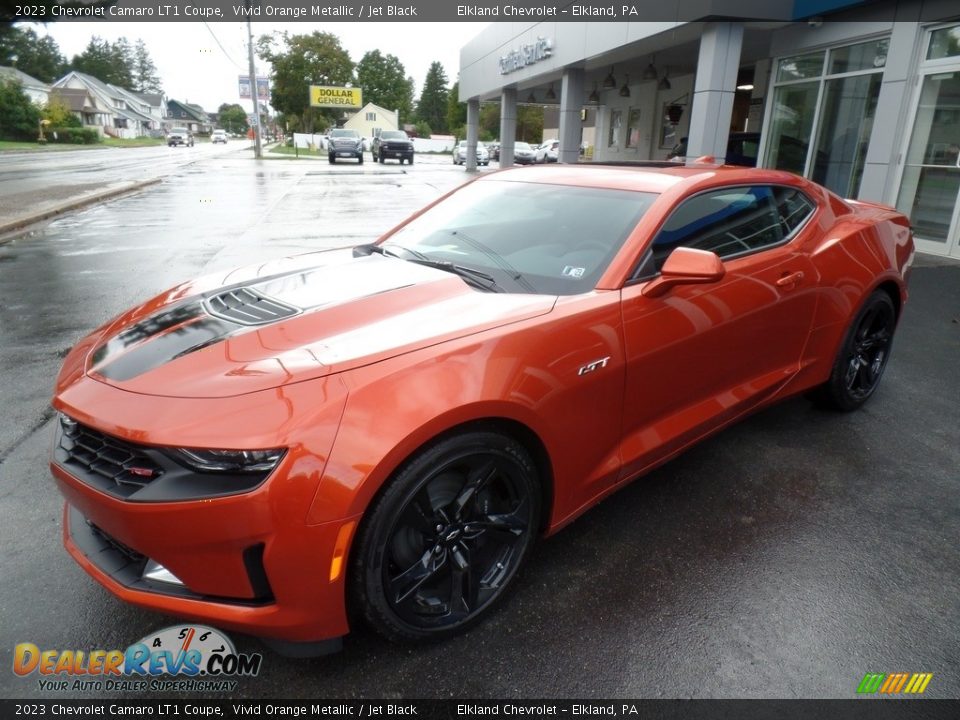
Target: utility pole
{"points": [[257, 148]]}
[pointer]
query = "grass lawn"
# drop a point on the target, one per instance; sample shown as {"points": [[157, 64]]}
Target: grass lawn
{"points": [[107, 142], [17, 145]]}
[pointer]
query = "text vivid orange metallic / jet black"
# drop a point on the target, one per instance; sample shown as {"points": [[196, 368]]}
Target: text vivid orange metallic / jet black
{"points": [[387, 428]]}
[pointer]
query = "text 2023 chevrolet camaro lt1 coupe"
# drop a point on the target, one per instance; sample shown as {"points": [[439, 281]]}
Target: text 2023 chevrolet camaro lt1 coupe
{"points": [[387, 428]]}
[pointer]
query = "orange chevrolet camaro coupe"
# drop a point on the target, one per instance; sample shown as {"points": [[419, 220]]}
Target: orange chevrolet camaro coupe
{"points": [[386, 429]]}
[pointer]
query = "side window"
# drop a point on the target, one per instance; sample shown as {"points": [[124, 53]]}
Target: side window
{"points": [[733, 221]]}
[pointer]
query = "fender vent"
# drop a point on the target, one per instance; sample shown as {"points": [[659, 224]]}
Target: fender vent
{"points": [[247, 306]]}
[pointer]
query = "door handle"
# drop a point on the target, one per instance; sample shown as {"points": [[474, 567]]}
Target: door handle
{"points": [[790, 280]]}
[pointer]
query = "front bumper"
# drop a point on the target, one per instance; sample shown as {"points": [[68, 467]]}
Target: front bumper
{"points": [[389, 152], [238, 570], [251, 561]]}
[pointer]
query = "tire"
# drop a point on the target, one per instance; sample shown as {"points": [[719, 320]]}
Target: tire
{"points": [[331, 159], [381, 160], [410, 160], [862, 356], [445, 540], [360, 159]]}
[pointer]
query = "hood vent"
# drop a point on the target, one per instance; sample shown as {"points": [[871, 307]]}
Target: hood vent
{"points": [[247, 306]]}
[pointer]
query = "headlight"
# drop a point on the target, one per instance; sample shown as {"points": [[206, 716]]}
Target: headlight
{"points": [[228, 461]]}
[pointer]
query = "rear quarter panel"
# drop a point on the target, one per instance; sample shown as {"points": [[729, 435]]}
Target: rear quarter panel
{"points": [[861, 247]]}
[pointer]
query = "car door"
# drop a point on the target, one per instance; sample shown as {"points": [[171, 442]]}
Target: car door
{"points": [[702, 354]]}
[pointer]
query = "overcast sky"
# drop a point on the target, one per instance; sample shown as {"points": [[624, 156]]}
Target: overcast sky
{"points": [[194, 68]]}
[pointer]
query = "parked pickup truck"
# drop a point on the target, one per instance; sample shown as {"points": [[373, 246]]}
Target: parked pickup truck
{"points": [[392, 144]]}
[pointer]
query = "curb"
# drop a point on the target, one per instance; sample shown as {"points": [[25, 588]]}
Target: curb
{"points": [[76, 203]]}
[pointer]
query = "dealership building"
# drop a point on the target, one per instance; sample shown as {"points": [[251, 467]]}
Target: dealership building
{"points": [[864, 99]]}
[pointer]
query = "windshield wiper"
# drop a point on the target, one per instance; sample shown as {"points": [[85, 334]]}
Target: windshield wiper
{"points": [[497, 258], [477, 278]]}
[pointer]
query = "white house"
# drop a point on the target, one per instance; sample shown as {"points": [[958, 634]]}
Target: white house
{"points": [[371, 119]]}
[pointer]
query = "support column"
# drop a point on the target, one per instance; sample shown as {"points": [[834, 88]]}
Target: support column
{"points": [[508, 125], [571, 100], [714, 90], [473, 131]]}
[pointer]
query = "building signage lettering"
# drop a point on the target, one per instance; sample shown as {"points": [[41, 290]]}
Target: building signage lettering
{"points": [[335, 97], [526, 55]]}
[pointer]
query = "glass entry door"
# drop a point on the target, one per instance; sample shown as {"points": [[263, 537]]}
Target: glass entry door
{"points": [[930, 185]]}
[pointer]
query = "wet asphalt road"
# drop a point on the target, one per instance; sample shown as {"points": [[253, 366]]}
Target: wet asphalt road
{"points": [[785, 557]]}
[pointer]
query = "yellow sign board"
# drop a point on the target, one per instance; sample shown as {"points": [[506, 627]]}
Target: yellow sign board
{"points": [[335, 97]]}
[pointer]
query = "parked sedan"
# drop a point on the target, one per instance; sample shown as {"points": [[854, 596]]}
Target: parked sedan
{"points": [[460, 154], [381, 433]]}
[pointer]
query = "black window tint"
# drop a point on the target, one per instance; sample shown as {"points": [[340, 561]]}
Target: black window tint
{"points": [[794, 208], [732, 221]]}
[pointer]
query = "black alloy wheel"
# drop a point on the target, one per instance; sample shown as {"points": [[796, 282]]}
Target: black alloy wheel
{"points": [[447, 537], [863, 355]]}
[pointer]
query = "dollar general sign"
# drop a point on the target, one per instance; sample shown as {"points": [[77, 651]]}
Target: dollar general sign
{"points": [[335, 97]]}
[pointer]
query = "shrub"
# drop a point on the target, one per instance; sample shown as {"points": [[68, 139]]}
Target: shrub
{"points": [[19, 117], [73, 136]]}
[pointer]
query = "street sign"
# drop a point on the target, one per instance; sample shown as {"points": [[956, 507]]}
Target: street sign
{"points": [[336, 97]]}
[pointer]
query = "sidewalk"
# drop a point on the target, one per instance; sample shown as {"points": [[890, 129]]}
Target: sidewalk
{"points": [[20, 210]]}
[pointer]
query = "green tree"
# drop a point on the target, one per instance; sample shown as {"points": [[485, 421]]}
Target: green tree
{"points": [[58, 113], [146, 79], [300, 61], [432, 106], [490, 121], [385, 83], [233, 118], [423, 130], [109, 63], [19, 117], [456, 111], [530, 123], [38, 56]]}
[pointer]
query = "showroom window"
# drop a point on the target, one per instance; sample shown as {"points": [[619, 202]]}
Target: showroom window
{"points": [[823, 111], [930, 180]]}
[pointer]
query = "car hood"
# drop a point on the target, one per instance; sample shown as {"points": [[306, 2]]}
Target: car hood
{"points": [[296, 320]]}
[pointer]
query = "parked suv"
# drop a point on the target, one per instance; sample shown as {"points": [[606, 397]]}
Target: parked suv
{"points": [[392, 144], [345, 143], [180, 136]]}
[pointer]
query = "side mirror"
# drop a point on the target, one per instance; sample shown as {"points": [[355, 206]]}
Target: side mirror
{"points": [[685, 266]]}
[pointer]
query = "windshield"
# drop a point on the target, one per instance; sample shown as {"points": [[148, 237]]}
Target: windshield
{"points": [[344, 133], [531, 237], [182, 131], [521, 146], [393, 135]]}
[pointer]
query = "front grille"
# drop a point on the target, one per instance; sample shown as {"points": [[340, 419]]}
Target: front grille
{"points": [[247, 306], [125, 550], [91, 453]]}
